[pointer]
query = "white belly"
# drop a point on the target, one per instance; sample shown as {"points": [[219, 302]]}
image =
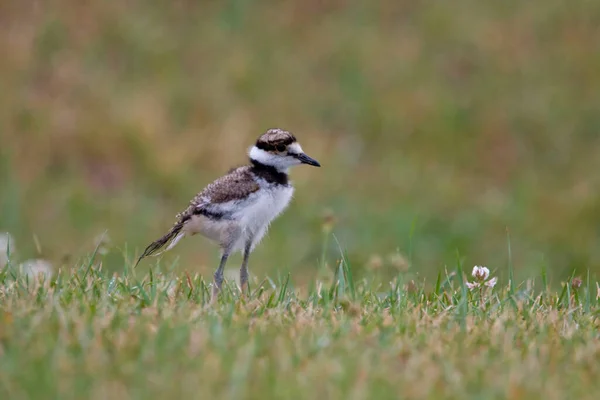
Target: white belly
{"points": [[249, 220], [259, 211]]}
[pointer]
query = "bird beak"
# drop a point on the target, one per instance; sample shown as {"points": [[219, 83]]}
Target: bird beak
{"points": [[304, 159]]}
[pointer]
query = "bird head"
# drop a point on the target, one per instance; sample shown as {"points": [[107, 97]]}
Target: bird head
{"points": [[280, 149]]}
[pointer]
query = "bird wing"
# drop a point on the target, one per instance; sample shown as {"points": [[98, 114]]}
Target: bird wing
{"points": [[214, 200]]}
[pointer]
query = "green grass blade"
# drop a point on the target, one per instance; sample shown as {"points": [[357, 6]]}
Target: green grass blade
{"points": [[283, 291], [462, 308], [588, 294], [511, 273], [346, 270], [93, 257]]}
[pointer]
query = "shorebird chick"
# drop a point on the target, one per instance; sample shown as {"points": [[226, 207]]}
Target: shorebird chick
{"points": [[236, 210]]}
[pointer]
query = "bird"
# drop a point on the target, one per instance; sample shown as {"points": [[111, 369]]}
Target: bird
{"points": [[236, 210]]}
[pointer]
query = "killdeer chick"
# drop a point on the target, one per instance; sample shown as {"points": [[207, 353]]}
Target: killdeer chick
{"points": [[236, 210]]}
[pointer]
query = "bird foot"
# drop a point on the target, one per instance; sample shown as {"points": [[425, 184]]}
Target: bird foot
{"points": [[245, 292], [216, 289]]}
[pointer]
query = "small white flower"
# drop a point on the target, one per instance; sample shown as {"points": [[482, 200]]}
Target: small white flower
{"points": [[472, 285], [492, 282], [480, 273]]}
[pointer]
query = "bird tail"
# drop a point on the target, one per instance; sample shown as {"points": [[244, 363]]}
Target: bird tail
{"points": [[169, 240]]}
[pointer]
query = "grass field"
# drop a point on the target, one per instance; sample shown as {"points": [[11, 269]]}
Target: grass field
{"points": [[451, 134], [88, 334]]}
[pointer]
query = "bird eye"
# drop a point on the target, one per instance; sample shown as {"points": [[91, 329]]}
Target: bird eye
{"points": [[280, 148]]}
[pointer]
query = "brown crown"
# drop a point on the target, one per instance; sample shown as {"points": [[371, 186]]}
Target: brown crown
{"points": [[275, 140]]}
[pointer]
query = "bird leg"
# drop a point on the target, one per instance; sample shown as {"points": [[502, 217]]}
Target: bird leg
{"points": [[244, 268], [219, 277], [230, 234]]}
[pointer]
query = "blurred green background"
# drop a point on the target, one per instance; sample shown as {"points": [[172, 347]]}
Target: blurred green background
{"points": [[439, 125]]}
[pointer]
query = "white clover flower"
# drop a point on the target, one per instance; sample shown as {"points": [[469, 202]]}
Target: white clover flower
{"points": [[492, 282], [472, 285], [480, 273], [7, 246]]}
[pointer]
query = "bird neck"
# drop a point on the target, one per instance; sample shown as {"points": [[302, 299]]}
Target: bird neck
{"points": [[269, 173]]}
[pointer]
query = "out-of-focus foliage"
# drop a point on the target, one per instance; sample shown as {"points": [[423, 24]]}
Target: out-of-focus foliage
{"points": [[439, 125]]}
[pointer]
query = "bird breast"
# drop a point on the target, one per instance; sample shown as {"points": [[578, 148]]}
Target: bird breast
{"points": [[262, 207]]}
